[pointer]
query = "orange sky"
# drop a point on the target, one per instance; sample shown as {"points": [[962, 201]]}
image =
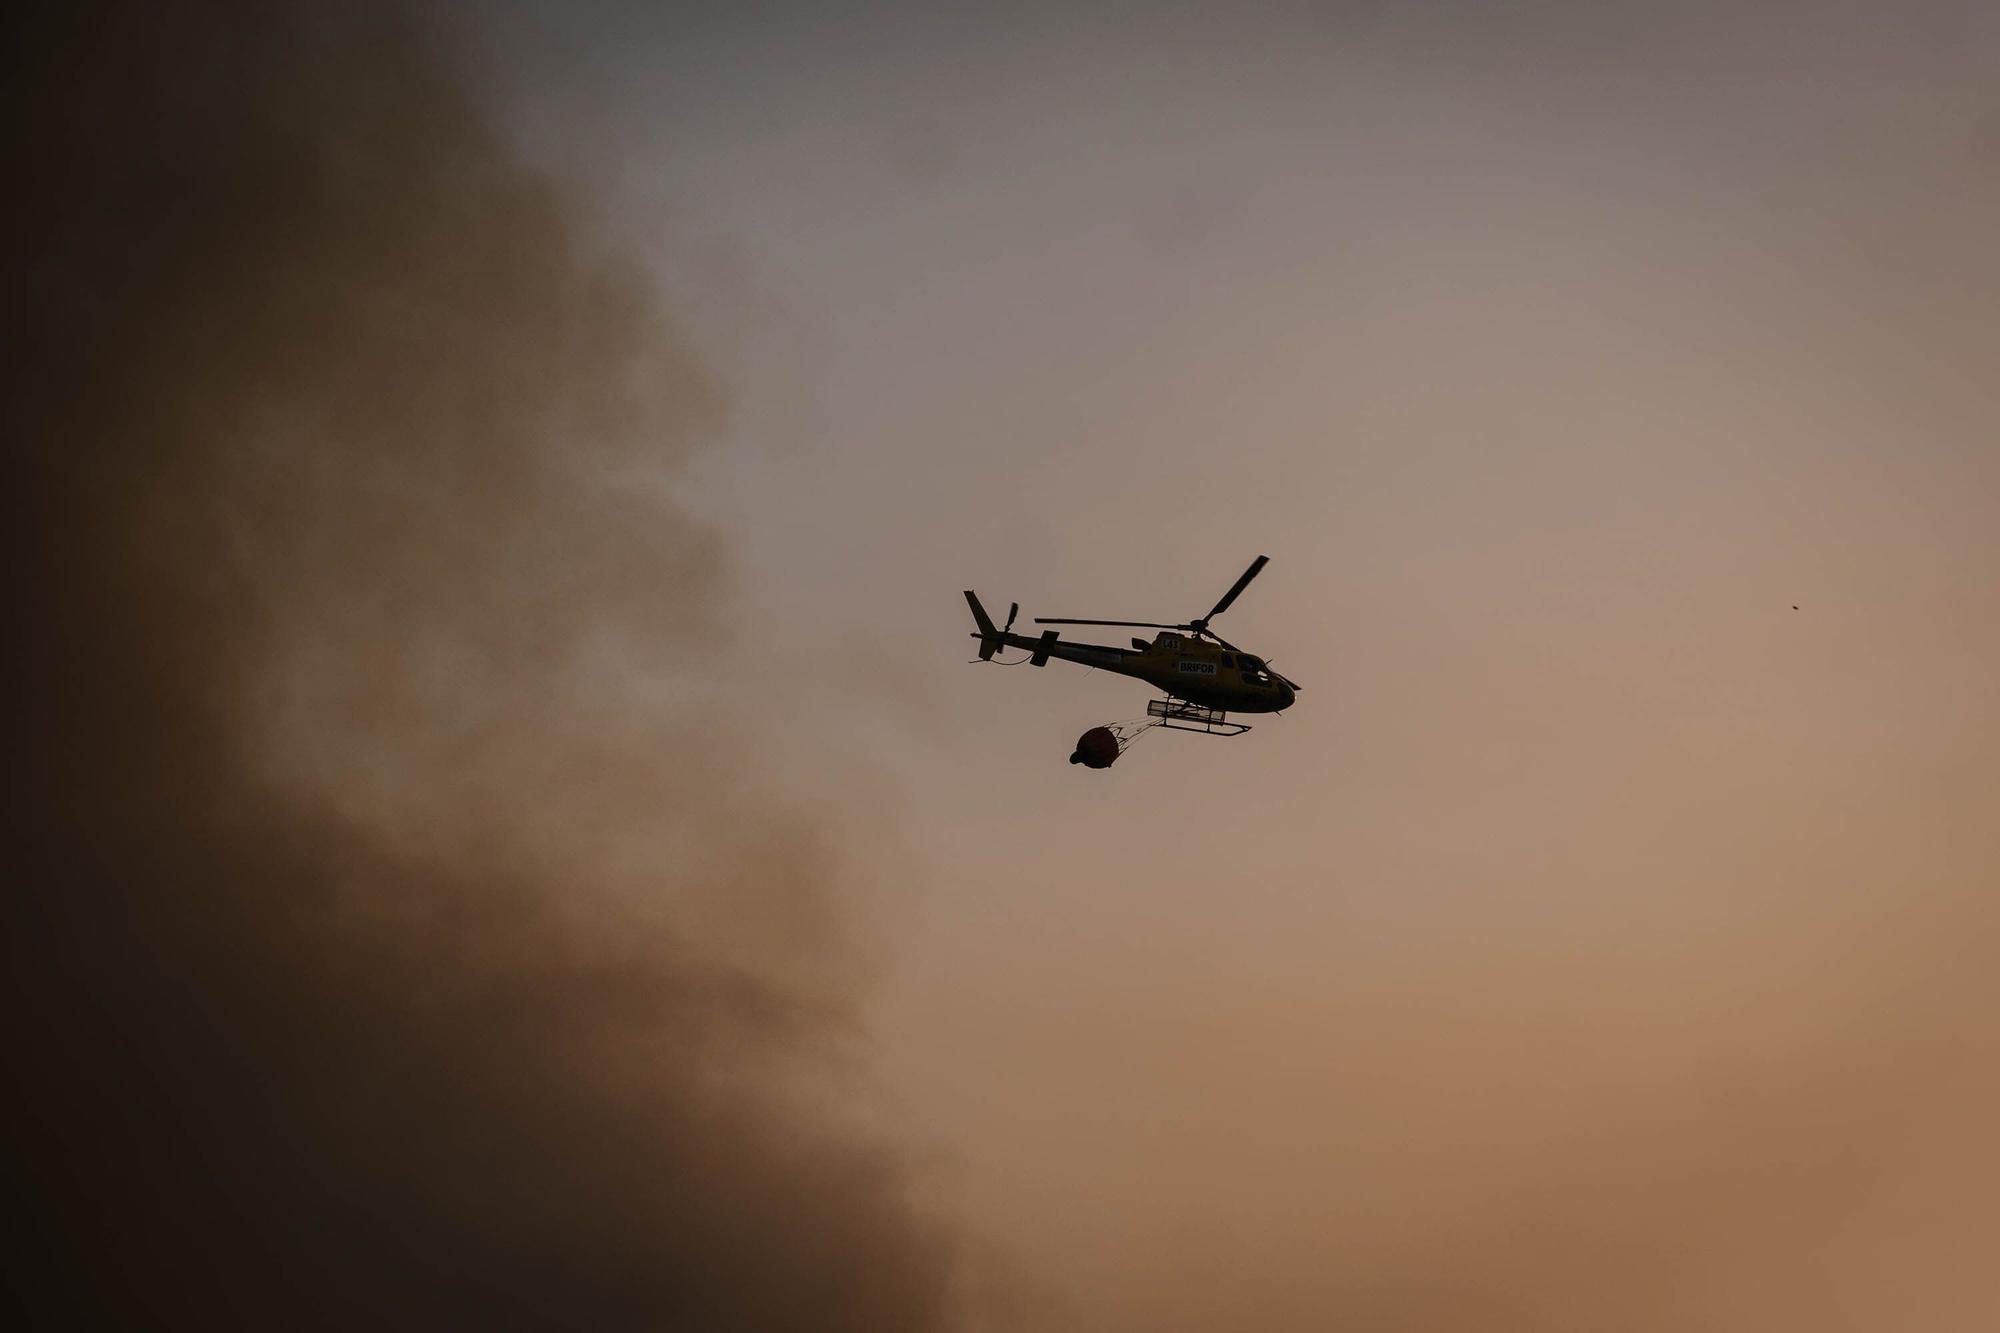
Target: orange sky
{"points": [[1600, 943]]}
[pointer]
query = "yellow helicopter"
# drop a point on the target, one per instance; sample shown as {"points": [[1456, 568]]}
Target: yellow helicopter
{"points": [[1204, 681]]}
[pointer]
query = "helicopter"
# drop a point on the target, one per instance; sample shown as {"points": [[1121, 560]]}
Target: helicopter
{"points": [[1204, 676]]}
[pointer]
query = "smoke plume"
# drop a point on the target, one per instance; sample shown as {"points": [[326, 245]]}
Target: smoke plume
{"points": [[396, 942]]}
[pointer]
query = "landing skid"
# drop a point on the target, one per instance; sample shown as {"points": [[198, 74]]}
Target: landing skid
{"points": [[1180, 715]]}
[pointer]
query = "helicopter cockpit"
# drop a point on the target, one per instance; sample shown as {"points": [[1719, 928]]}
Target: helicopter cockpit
{"points": [[1252, 669]]}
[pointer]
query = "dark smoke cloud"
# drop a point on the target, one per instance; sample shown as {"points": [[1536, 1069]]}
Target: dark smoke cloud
{"points": [[394, 943]]}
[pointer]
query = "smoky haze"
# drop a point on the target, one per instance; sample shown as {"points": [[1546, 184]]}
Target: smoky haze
{"points": [[397, 940]]}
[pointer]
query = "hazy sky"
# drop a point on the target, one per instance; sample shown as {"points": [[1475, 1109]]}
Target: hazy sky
{"points": [[1601, 942]]}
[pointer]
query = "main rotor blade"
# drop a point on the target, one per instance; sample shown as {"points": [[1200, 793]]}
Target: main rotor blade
{"points": [[1137, 624], [1237, 587]]}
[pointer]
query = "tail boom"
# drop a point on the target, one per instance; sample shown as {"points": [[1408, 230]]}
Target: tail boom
{"points": [[992, 638]]}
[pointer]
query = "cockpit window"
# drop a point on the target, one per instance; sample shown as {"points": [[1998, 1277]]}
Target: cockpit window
{"points": [[1228, 661]]}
